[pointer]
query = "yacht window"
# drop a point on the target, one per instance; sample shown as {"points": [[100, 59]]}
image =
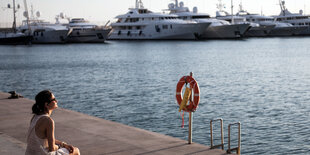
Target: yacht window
{"points": [[165, 26], [152, 18], [162, 18], [138, 27], [170, 26], [42, 34], [129, 27], [157, 28], [126, 20], [200, 17]]}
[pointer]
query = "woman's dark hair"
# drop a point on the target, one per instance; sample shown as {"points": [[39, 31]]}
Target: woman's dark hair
{"points": [[41, 98]]}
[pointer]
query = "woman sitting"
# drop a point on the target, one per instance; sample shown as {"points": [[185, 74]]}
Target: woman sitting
{"points": [[41, 139]]}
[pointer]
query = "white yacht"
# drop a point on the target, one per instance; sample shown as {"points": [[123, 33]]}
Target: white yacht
{"points": [[81, 31], [296, 19], [255, 30], [140, 23], [280, 28], [11, 35], [42, 31], [218, 29]]}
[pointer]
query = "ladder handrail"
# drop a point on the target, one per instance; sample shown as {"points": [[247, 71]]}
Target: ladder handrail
{"points": [[237, 149], [222, 134]]}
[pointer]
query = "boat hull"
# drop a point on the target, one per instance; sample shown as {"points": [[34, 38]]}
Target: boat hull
{"points": [[49, 37], [6, 39], [88, 35], [188, 31], [225, 31], [261, 31], [287, 31]]}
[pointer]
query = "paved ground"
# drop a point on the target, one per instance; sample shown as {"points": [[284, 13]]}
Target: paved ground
{"points": [[93, 136]]}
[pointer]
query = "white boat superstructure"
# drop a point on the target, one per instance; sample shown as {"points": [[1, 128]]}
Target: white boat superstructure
{"points": [[141, 23], [280, 28], [296, 19], [218, 29], [82, 31], [255, 29], [42, 31]]}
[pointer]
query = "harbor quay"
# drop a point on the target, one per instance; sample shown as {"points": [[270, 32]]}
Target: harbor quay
{"points": [[92, 135]]}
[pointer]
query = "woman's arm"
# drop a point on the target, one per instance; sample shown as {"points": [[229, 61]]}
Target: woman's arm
{"points": [[70, 148], [51, 135]]}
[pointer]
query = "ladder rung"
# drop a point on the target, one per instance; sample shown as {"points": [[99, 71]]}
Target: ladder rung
{"points": [[216, 146]]}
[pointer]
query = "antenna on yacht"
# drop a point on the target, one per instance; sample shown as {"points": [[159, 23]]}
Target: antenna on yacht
{"points": [[232, 12], [282, 6], [139, 4], [240, 6], [26, 14], [176, 3], [14, 12], [220, 6]]}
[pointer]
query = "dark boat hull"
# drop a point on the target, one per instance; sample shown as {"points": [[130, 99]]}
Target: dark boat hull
{"points": [[15, 40]]}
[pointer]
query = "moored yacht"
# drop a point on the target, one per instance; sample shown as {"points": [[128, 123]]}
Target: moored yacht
{"points": [[296, 19], [218, 29], [255, 29], [280, 28], [141, 23], [82, 31], [12, 36], [43, 32]]}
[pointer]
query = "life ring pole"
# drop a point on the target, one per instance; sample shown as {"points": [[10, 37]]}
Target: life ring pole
{"points": [[190, 121]]}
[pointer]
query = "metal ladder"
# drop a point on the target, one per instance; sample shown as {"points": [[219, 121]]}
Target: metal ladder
{"points": [[229, 150], [222, 134]]}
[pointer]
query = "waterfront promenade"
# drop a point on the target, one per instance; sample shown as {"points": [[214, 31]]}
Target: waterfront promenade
{"points": [[93, 136]]}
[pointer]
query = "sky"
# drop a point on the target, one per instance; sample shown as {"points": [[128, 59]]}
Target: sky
{"points": [[101, 11]]}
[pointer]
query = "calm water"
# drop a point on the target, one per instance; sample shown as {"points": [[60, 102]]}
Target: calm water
{"points": [[263, 83]]}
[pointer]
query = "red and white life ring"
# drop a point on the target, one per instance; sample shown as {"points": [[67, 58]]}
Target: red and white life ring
{"points": [[193, 104]]}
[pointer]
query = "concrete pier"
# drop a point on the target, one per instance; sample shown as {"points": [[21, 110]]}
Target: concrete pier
{"points": [[92, 135]]}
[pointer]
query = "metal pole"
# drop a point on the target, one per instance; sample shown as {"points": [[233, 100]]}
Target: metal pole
{"points": [[222, 134], [190, 128], [211, 133], [239, 139], [229, 138], [190, 122]]}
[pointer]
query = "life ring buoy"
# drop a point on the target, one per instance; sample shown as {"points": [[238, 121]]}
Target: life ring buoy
{"points": [[193, 104]]}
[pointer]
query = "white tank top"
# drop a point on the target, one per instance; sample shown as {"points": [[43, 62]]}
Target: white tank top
{"points": [[36, 145]]}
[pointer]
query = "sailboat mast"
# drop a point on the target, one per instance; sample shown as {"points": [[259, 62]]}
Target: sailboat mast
{"points": [[14, 14]]}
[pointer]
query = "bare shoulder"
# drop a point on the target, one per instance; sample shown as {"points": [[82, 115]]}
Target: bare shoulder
{"points": [[46, 120]]}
